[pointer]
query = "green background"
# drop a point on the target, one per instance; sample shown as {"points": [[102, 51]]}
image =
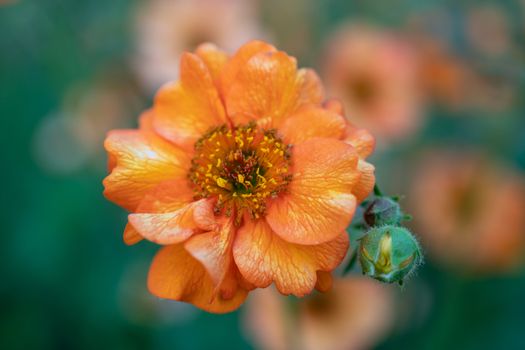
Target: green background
{"points": [[68, 281]]}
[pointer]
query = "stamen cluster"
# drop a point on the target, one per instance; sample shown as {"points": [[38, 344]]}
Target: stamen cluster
{"points": [[242, 166]]}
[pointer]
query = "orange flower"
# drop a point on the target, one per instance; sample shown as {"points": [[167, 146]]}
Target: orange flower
{"points": [[469, 212], [339, 319], [166, 28], [243, 175], [454, 82], [375, 73], [444, 77]]}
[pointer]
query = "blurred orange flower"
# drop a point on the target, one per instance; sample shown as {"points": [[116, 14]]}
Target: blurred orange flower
{"points": [[355, 314], [166, 28], [450, 81], [444, 77], [212, 175], [469, 212], [376, 75], [69, 140]]}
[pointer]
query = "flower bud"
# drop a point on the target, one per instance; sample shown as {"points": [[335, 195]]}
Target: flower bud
{"points": [[389, 253], [383, 211]]}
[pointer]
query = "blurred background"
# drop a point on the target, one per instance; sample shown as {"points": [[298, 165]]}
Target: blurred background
{"points": [[440, 84]]}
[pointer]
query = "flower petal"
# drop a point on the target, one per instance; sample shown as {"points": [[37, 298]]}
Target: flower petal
{"points": [[167, 197], [186, 109], [263, 257], [213, 250], [312, 90], [267, 88], [319, 203], [141, 160], [214, 58], [324, 281], [366, 181], [131, 236], [335, 105], [112, 162], [361, 139], [166, 214], [181, 216], [167, 228], [239, 59], [175, 274], [311, 121]]}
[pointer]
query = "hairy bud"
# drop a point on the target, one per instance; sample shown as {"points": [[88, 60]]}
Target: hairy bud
{"points": [[383, 211], [389, 253]]}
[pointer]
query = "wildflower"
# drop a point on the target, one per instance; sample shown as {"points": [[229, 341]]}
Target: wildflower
{"points": [[69, 139], [469, 212], [165, 29], [444, 76], [243, 175], [375, 73], [449, 80], [339, 319]]}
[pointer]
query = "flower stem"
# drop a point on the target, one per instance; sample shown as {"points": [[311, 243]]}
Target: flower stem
{"points": [[377, 191]]}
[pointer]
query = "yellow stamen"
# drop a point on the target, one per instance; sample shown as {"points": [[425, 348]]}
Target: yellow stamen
{"points": [[222, 182]]}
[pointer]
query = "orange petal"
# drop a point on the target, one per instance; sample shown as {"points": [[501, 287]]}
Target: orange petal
{"points": [[324, 281], [311, 121], [366, 181], [186, 109], [170, 197], [232, 281], [335, 106], [312, 90], [237, 61], [167, 197], [319, 203], [146, 121], [131, 236], [243, 282], [267, 88], [158, 199], [141, 161], [263, 257], [175, 274], [167, 228], [112, 162], [213, 250], [214, 58], [361, 139], [204, 215]]}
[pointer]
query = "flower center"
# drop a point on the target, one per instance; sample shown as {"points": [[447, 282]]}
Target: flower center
{"points": [[362, 89], [242, 167]]}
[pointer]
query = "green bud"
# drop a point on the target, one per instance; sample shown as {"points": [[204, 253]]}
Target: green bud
{"points": [[389, 253], [383, 211]]}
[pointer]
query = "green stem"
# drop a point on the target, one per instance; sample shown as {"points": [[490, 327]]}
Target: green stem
{"points": [[377, 191]]}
